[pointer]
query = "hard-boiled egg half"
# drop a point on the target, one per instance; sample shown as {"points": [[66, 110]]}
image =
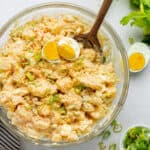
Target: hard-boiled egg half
{"points": [[138, 56], [50, 52], [66, 48]]}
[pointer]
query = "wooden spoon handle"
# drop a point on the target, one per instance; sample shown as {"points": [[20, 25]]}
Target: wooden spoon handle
{"points": [[100, 17]]}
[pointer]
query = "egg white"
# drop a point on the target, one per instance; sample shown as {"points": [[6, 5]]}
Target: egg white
{"points": [[142, 48], [72, 43]]}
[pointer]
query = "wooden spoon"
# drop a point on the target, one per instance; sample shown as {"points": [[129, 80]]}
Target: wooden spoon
{"points": [[90, 39]]}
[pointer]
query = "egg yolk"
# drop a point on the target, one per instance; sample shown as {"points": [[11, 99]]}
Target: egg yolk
{"points": [[136, 61], [66, 51], [50, 51]]}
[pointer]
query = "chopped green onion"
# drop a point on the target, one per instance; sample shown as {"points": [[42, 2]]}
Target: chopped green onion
{"points": [[113, 147], [79, 88], [78, 63], [28, 107], [114, 123], [62, 111], [36, 84], [106, 134], [54, 98], [131, 40], [104, 59], [117, 127], [30, 76], [38, 56], [102, 146]]}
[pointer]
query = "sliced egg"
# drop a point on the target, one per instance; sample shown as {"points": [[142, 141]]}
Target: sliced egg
{"points": [[50, 52], [138, 56], [68, 48]]}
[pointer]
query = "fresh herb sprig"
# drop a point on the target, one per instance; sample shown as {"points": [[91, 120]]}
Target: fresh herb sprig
{"points": [[140, 18]]}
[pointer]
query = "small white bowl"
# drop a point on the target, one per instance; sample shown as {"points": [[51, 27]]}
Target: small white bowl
{"points": [[124, 134]]}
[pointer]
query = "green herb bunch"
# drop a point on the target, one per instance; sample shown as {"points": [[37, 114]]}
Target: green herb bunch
{"points": [[140, 17]]}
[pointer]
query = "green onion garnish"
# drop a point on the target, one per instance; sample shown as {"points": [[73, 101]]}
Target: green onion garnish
{"points": [[37, 56], [79, 88], [30, 76], [117, 127], [102, 146], [54, 98], [104, 59], [62, 111], [28, 107], [113, 147], [131, 40], [106, 134]]}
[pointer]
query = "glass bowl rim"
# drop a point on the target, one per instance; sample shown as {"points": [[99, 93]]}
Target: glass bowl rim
{"points": [[123, 55]]}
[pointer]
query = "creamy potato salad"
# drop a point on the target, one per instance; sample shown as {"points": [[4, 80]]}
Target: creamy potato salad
{"points": [[59, 101]]}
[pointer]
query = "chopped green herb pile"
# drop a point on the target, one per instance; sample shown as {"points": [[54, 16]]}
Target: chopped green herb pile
{"points": [[137, 138], [140, 17]]}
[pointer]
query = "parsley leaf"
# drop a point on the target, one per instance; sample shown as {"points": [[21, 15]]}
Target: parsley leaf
{"points": [[137, 3], [139, 18]]}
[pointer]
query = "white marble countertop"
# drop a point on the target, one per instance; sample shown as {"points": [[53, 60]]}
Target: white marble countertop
{"points": [[137, 107]]}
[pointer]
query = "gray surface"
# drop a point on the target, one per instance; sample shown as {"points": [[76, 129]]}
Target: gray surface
{"points": [[136, 110]]}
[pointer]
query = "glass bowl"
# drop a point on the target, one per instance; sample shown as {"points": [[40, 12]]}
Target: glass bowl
{"points": [[118, 57]]}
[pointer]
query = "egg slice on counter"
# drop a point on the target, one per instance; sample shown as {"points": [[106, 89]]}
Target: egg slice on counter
{"points": [[138, 56], [50, 52], [68, 48]]}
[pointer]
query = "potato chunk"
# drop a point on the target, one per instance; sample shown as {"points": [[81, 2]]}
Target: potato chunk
{"points": [[71, 100], [64, 84], [92, 81], [41, 87]]}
